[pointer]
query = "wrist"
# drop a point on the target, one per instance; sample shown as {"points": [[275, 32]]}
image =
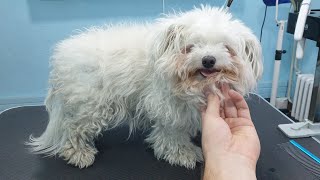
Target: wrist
{"points": [[229, 169]]}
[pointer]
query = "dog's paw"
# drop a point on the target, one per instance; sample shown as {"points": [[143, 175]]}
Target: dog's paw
{"points": [[184, 156], [81, 157]]}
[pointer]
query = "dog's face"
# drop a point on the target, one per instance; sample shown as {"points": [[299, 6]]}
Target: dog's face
{"points": [[204, 48]]}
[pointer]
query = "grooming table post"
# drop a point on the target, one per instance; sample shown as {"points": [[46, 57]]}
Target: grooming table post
{"points": [[277, 63], [278, 54]]}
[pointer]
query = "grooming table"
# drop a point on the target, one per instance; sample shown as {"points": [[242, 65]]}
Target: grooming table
{"points": [[119, 158]]}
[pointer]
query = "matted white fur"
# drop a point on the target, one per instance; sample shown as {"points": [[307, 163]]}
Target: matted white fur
{"points": [[147, 75]]}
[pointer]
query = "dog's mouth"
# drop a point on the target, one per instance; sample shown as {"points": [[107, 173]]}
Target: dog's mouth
{"points": [[206, 73]]}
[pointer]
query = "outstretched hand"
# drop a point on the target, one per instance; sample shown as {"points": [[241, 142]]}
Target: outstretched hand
{"points": [[229, 139]]}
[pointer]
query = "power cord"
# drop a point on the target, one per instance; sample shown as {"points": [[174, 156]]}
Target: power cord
{"points": [[264, 19]]}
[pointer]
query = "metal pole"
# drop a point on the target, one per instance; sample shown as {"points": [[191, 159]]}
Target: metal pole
{"points": [[277, 63]]}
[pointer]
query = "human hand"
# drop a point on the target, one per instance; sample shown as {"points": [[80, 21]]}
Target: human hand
{"points": [[230, 142]]}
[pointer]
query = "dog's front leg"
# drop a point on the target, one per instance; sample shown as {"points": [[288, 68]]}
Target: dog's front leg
{"points": [[174, 145]]}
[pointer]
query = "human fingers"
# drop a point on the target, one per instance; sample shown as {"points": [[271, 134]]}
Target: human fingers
{"points": [[230, 110], [240, 104]]}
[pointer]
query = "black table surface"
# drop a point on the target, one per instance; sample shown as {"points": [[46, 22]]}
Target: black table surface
{"points": [[122, 158]]}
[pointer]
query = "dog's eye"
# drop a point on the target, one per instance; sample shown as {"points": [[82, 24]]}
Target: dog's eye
{"points": [[187, 49], [231, 51]]}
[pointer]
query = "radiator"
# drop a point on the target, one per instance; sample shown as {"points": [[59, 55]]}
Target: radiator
{"points": [[302, 97]]}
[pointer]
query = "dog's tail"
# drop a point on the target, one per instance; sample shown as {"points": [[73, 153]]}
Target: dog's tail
{"points": [[52, 139]]}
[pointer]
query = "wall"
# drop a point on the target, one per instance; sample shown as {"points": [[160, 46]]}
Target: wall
{"points": [[30, 28]]}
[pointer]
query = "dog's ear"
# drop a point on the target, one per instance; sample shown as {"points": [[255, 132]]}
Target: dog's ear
{"points": [[168, 40], [252, 52]]}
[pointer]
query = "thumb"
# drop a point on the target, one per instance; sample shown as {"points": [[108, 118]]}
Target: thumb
{"points": [[213, 107], [214, 129]]}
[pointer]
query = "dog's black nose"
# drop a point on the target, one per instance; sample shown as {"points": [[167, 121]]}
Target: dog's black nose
{"points": [[208, 61]]}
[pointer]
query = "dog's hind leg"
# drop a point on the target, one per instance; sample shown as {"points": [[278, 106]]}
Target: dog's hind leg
{"points": [[83, 127], [79, 147]]}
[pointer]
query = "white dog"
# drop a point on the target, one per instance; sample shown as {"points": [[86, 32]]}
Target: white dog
{"points": [[149, 76]]}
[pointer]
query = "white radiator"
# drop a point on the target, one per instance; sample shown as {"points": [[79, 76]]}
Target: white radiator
{"points": [[302, 97]]}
